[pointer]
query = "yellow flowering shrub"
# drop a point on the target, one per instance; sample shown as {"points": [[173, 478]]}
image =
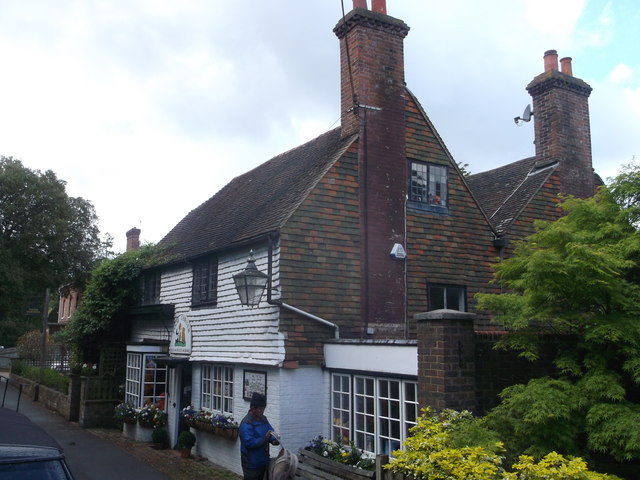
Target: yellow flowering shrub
{"points": [[435, 451], [553, 467]]}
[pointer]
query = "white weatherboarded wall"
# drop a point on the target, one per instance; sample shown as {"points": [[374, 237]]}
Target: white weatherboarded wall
{"points": [[230, 332]]}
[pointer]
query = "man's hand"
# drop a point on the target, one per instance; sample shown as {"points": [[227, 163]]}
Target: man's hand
{"points": [[274, 440]]}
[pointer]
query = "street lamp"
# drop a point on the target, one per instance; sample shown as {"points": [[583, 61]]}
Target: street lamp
{"points": [[250, 283]]}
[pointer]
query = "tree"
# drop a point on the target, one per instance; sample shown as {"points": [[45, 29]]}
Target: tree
{"points": [[47, 239], [578, 279]]}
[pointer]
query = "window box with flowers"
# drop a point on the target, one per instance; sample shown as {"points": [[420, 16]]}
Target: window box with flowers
{"points": [[125, 413], [139, 423], [150, 416], [337, 457], [221, 425]]}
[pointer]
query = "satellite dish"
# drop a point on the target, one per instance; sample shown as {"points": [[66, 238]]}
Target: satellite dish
{"points": [[526, 116]]}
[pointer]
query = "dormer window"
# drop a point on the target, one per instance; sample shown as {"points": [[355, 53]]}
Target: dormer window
{"points": [[428, 185], [205, 282], [151, 288]]}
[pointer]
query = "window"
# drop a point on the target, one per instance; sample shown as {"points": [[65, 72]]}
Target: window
{"points": [[151, 288], [451, 297], [217, 388], [341, 398], [205, 282], [364, 413], [376, 412], [146, 381], [428, 184]]}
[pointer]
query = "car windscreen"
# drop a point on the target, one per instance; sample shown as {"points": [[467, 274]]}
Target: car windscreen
{"points": [[40, 470]]}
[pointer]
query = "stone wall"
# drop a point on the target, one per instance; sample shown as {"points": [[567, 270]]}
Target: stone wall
{"points": [[73, 406]]}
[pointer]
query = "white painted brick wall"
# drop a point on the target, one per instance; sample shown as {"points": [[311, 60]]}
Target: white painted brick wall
{"points": [[304, 410]]}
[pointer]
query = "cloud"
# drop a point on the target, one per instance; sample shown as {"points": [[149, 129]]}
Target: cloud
{"points": [[148, 107]]}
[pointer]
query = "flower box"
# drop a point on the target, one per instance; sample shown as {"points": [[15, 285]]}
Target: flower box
{"points": [[316, 465], [145, 423], [206, 421], [204, 426], [230, 433]]}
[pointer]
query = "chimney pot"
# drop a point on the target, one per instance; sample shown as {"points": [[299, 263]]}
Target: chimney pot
{"points": [[133, 239], [565, 65], [379, 6], [360, 4], [550, 60]]}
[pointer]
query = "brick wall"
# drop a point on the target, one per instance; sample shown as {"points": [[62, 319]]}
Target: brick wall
{"points": [[320, 263], [453, 248], [498, 369], [460, 369]]}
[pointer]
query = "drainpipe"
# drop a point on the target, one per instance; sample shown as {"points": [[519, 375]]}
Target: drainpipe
{"points": [[291, 308]]}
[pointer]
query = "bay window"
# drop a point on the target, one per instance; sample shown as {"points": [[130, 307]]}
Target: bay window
{"points": [[146, 381]]}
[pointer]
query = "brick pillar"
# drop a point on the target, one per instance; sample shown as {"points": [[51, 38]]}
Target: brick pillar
{"points": [[446, 364]]}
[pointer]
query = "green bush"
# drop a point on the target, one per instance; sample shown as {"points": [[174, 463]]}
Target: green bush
{"points": [[52, 378]]}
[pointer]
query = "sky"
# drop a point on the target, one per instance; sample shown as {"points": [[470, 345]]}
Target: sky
{"points": [[147, 108]]}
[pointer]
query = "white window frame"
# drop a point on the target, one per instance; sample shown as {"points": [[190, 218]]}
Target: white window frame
{"points": [[217, 388], [134, 375], [363, 416]]}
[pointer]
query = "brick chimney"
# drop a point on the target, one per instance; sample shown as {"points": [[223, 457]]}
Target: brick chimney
{"points": [[133, 239], [561, 123], [373, 101]]}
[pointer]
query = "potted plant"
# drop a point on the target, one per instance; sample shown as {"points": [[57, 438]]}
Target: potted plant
{"points": [[160, 438], [186, 440]]}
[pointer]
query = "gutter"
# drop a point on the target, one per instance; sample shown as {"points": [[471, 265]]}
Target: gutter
{"points": [[291, 308]]}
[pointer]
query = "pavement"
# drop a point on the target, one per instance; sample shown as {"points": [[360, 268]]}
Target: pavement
{"points": [[105, 454]]}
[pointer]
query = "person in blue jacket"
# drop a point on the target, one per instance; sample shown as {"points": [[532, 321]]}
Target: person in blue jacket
{"points": [[256, 433]]}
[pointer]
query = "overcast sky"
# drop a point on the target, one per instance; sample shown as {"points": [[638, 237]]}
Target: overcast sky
{"points": [[148, 107]]}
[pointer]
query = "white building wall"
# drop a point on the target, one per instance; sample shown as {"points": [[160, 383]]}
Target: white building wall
{"points": [[230, 332], [227, 332], [304, 406], [175, 288]]}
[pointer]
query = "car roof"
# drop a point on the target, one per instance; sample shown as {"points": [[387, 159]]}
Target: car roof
{"points": [[17, 429]]}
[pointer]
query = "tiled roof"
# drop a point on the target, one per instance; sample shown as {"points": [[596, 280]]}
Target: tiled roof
{"points": [[256, 202], [505, 191]]}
